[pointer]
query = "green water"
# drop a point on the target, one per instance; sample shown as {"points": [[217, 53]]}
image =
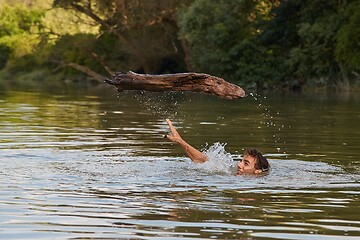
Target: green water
{"points": [[89, 163]]}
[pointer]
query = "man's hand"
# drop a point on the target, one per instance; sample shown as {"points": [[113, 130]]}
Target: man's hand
{"points": [[194, 154], [175, 136]]}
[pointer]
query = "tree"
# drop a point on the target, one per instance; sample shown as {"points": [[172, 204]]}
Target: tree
{"points": [[347, 50], [223, 39], [20, 29], [146, 31]]}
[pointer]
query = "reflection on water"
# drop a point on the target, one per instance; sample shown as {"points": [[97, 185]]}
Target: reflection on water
{"points": [[95, 165]]}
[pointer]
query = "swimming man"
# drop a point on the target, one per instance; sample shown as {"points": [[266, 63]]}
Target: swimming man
{"points": [[253, 161]]}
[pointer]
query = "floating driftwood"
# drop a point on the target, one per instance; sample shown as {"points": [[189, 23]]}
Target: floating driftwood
{"points": [[195, 82]]}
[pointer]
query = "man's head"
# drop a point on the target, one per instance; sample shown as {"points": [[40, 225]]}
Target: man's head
{"points": [[253, 162]]}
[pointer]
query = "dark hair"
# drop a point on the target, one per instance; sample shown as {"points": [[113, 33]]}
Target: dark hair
{"points": [[261, 161]]}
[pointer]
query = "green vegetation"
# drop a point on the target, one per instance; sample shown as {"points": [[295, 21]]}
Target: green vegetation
{"points": [[260, 43]]}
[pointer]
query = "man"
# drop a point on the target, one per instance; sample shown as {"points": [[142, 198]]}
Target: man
{"points": [[253, 161]]}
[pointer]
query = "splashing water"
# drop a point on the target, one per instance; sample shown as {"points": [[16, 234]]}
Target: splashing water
{"points": [[269, 120], [163, 105], [219, 161]]}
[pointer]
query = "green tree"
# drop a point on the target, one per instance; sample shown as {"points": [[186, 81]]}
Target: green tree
{"points": [[347, 50], [20, 29], [289, 42], [223, 39], [320, 42], [146, 31], [313, 56]]}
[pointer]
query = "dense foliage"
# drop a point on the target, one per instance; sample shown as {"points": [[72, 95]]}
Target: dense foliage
{"points": [[260, 43]]}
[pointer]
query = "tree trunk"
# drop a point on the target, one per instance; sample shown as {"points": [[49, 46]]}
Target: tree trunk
{"points": [[195, 82]]}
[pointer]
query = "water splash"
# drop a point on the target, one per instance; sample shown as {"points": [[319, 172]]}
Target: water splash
{"points": [[269, 121], [219, 161], [163, 105]]}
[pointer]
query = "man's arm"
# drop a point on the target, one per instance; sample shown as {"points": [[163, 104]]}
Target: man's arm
{"points": [[194, 154]]}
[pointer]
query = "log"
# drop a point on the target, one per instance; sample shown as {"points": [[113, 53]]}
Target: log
{"points": [[195, 82]]}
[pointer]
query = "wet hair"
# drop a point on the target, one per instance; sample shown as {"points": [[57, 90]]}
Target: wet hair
{"points": [[261, 161]]}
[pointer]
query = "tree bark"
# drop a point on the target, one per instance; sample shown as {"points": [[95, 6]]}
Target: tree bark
{"points": [[195, 82]]}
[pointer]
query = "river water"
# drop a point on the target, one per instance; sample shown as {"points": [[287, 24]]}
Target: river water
{"points": [[90, 163]]}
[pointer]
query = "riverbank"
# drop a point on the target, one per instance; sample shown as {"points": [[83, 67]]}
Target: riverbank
{"points": [[45, 77]]}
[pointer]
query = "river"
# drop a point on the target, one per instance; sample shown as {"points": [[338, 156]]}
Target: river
{"points": [[90, 163]]}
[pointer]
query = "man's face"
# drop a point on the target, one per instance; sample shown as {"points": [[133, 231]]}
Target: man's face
{"points": [[247, 166]]}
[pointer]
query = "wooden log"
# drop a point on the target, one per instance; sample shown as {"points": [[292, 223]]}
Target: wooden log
{"points": [[195, 82]]}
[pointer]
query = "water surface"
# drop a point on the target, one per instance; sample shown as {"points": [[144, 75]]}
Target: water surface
{"points": [[81, 163]]}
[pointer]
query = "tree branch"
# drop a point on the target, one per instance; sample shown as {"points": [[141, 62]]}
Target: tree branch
{"points": [[87, 71], [195, 82]]}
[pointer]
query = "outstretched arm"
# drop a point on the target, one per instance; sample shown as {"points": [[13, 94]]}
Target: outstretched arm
{"points": [[194, 154]]}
